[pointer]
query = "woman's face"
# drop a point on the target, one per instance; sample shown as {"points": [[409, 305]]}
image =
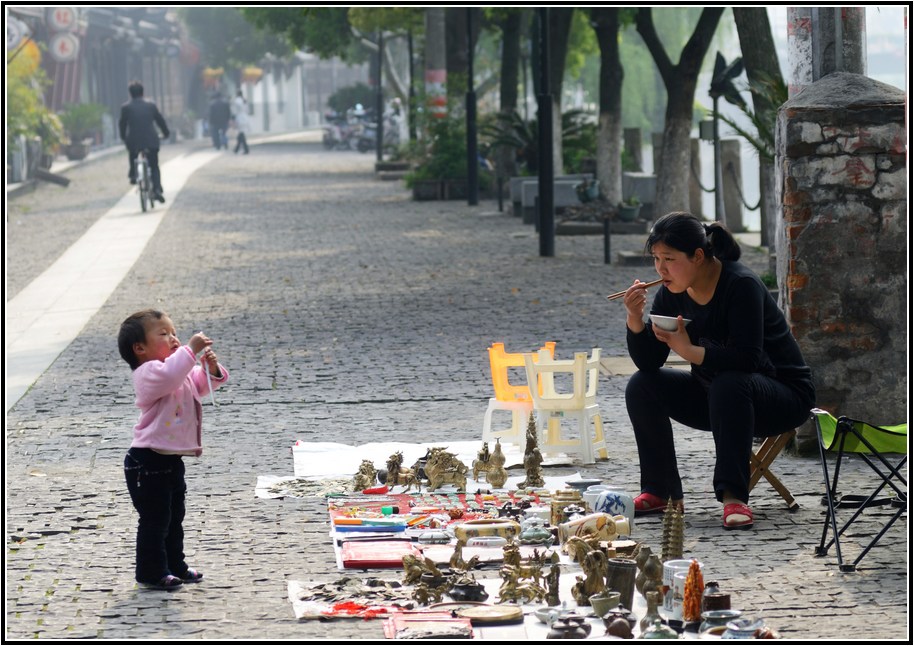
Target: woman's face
{"points": [[675, 267]]}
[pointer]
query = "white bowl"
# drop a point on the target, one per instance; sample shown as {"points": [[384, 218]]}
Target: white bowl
{"points": [[668, 323]]}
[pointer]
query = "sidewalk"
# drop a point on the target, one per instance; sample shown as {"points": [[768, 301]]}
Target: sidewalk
{"points": [[345, 312]]}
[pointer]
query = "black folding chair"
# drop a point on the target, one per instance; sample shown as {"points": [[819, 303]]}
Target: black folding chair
{"points": [[871, 443]]}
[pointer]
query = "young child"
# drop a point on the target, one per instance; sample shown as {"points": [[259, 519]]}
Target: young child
{"points": [[169, 388]]}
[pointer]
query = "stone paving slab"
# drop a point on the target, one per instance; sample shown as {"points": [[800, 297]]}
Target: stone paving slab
{"points": [[346, 312]]}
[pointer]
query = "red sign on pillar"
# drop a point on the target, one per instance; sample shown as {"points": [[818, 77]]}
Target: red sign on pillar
{"points": [[64, 47]]}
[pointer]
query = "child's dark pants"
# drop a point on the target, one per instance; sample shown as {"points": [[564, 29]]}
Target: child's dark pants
{"points": [[157, 489]]}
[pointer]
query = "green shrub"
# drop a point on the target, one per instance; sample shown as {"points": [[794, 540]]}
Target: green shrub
{"points": [[82, 120], [444, 155]]}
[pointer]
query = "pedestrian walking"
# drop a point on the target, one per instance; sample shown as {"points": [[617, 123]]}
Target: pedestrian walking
{"points": [[220, 113], [169, 388], [242, 123]]}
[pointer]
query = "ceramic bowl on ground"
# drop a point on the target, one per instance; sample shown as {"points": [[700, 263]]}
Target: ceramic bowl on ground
{"points": [[547, 613], [583, 483], [668, 323]]}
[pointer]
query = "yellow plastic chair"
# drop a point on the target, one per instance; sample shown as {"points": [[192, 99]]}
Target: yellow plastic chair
{"points": [[873, 445], [514, 398], [580, 404]]}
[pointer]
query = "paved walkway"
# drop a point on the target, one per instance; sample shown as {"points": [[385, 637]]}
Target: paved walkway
{"points": [[346, 312]]}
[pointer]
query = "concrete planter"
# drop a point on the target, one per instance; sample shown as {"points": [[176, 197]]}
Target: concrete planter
{"points": [[75, 152], [427, 189]]}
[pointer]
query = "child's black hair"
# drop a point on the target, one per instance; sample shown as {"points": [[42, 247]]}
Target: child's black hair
{"points": [[133, 330]]}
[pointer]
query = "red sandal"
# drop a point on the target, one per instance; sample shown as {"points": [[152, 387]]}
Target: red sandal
{"points": [[648, 503], [737, 508]]}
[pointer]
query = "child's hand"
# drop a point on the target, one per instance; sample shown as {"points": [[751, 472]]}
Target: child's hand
{"points": [[198, 342], [212, 362]]}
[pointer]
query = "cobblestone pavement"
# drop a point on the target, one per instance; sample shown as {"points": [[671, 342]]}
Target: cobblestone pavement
{"points": [[346, 312]]}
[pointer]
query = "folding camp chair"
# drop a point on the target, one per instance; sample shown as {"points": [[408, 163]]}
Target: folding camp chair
{"points": [[870, 442], [760, 460]]}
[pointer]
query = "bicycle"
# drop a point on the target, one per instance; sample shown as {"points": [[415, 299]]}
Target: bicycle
{"points": [[144, 181]]}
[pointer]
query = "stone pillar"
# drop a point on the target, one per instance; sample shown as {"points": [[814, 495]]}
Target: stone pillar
{"points": [[632, 139], [842, 187], [695, 177], [799, 49], [732, 171]]}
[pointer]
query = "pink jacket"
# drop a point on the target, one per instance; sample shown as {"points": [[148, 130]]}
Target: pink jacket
{"points": [[168, 394]]}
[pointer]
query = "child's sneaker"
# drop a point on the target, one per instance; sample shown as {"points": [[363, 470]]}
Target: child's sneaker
{"points": [[192, 576], [167, 582]]}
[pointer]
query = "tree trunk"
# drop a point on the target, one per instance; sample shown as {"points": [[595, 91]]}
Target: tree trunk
{"points": [[435, 62], [510, 70], [456, 47], [609, 135], [680, 81], [761, 62], [559, 31]]}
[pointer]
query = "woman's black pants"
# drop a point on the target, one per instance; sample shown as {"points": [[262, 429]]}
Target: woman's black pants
{"points": [[735, 407]]}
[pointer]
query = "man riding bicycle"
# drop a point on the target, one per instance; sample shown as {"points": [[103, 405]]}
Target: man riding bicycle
{"points": [[137, 129]]}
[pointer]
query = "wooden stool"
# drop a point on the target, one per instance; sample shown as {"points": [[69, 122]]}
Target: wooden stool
{"points": [[760, 460]]}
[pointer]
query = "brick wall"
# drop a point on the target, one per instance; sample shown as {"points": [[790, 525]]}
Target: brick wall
{"points": [[842, 241]]}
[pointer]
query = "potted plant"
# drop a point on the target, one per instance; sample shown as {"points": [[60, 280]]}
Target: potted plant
{"points": [[441, 169], [588, 190], [628, 209], [81, 121]]}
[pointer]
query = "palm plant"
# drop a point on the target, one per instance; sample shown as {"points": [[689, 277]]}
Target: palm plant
{"points": [[774, 90], [509, 129]]}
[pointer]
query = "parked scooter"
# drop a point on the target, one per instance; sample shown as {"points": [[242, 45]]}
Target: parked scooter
{"points": [[369, 136], [339, 134]]}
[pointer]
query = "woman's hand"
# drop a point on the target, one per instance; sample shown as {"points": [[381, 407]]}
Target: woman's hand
{"points": [[634, 300], [680, 343]]}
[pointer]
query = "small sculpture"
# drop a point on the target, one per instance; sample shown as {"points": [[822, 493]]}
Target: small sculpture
{"points": [[513, 589], [496, 475], [481, 463], [365, 477], [456, 562], [595, 567], [673, 528], [532, 458], [691, 596], [398, 474], [443, 467], [552, 585], [653, 575]]}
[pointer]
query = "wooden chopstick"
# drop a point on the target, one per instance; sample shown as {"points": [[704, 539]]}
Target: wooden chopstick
{"points": [[613, 297]]}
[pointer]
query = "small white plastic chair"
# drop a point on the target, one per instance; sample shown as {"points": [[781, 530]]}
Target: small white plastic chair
{"points": [[579, 405], [514, 398]]}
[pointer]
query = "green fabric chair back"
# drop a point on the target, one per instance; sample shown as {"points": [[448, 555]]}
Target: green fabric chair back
{"points": [[885, 439]]}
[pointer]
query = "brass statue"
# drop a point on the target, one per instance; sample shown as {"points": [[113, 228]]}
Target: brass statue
{"points": [[481, 463], [443, 467], [496, 475], [532, 458], [365, 477], [596, 568]]}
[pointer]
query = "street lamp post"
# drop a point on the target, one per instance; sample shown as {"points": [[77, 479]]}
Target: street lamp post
{"points": [[546, 198], [472, 150]]}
